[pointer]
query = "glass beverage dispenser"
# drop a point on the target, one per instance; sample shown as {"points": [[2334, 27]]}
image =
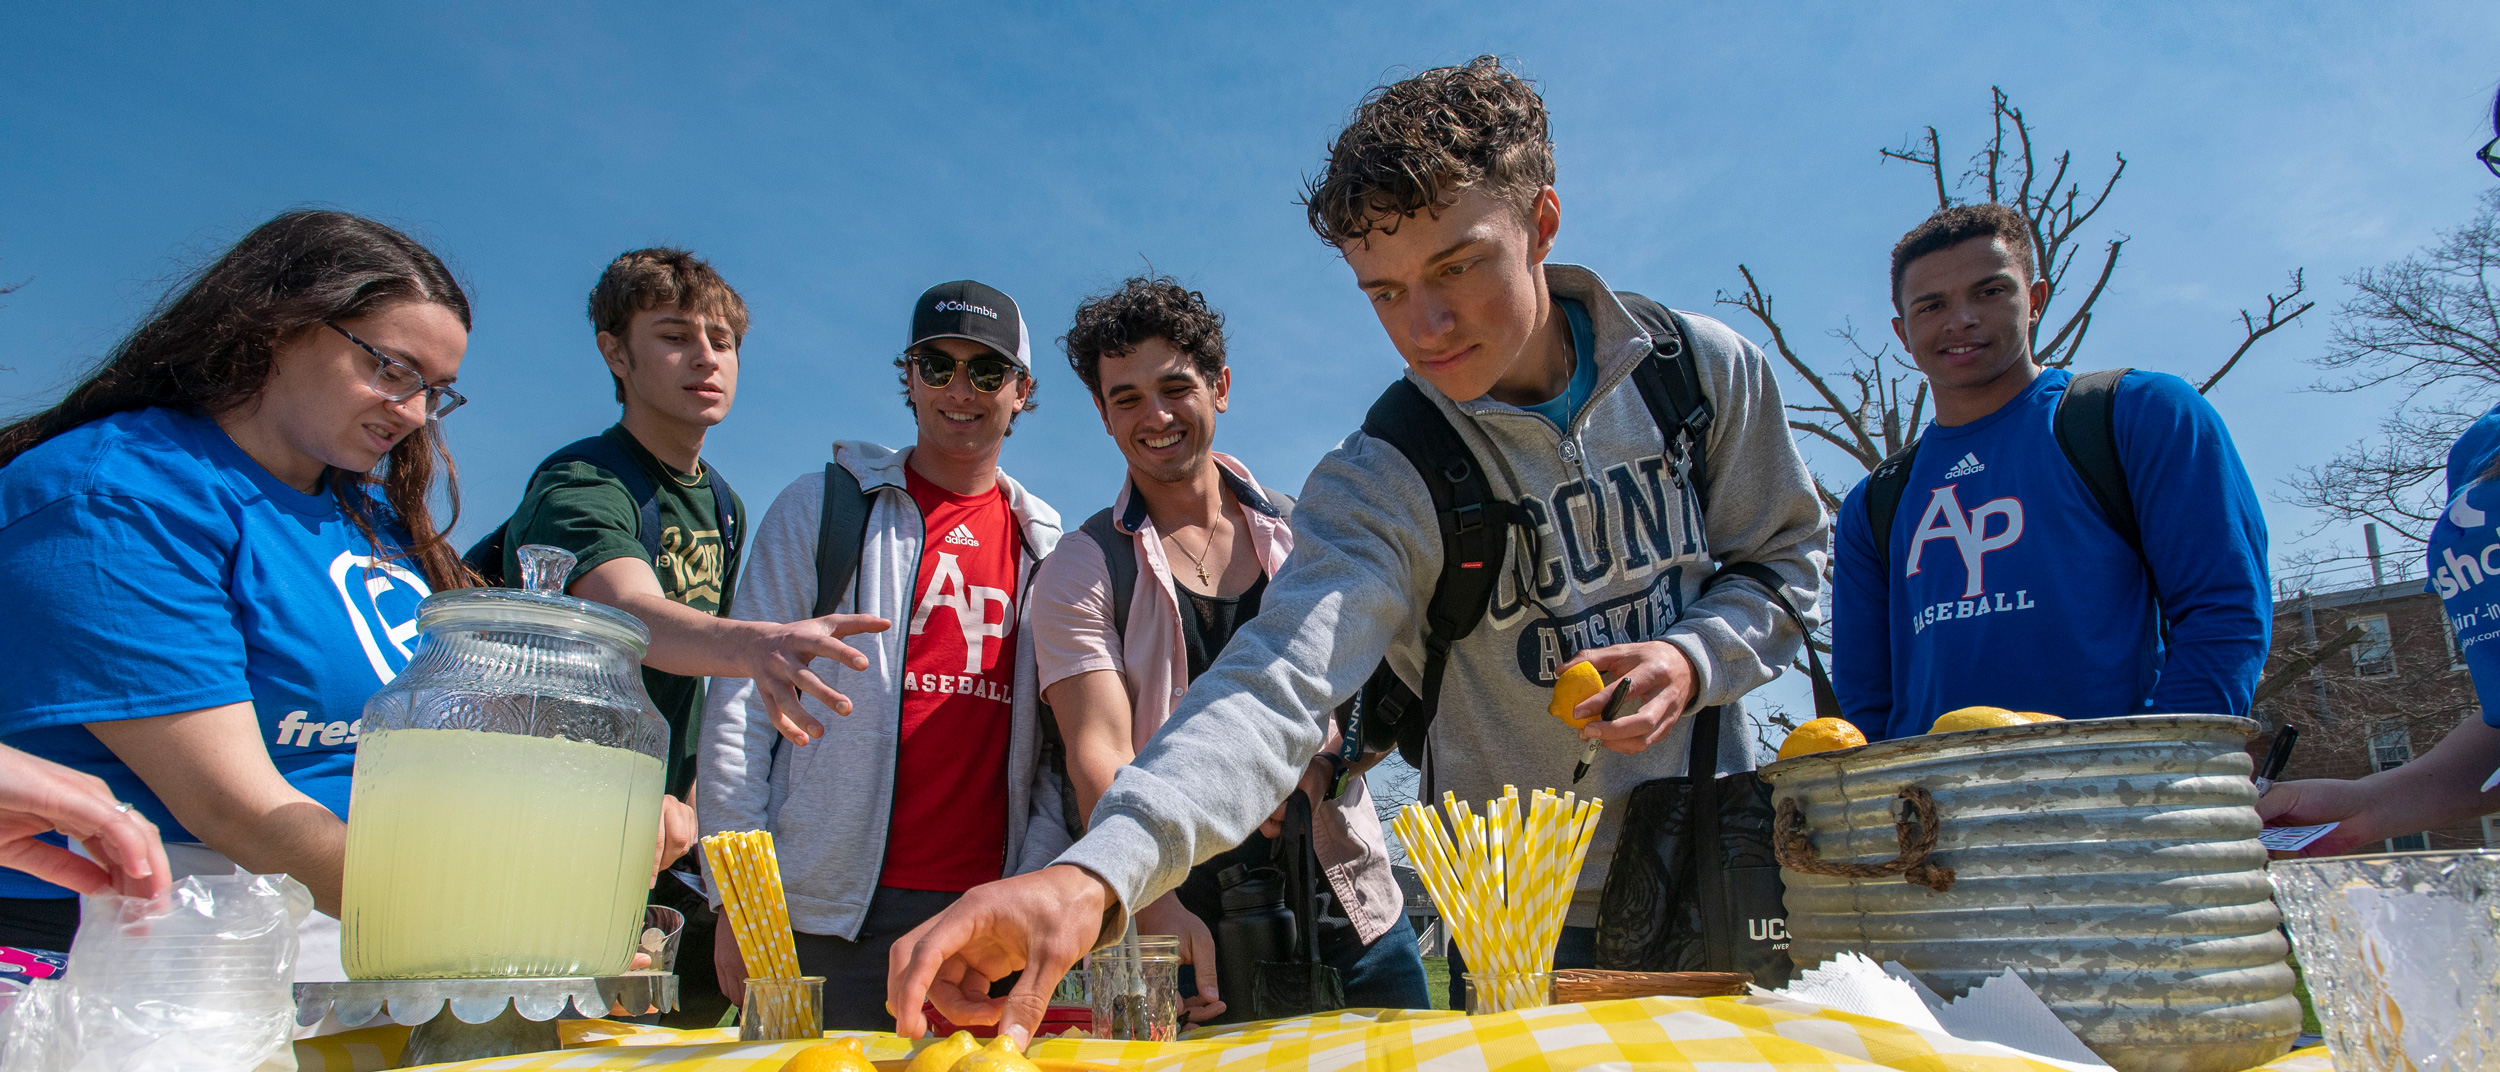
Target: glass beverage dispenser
{"points": [[506, 802]]}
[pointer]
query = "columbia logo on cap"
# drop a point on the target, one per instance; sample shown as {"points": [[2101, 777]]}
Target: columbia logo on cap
{"points": [[952, 306]]}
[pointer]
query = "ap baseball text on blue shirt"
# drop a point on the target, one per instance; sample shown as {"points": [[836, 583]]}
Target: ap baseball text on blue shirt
{"points": [[2006, 586]]}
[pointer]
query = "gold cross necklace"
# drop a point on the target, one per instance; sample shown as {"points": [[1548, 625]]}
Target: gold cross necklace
{"points": [[1199, 558]]}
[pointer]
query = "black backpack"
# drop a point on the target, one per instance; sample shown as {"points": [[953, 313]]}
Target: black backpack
{"points": [[1475, 525], [485, 558], [2086, 426]]}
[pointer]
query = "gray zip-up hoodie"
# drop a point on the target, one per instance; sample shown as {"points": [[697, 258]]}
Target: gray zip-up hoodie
{"points": [[827, 804], [1615, 557]]}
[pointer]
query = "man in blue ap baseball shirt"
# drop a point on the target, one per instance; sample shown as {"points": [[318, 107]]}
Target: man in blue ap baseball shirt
{"points": [[2002, 579]]}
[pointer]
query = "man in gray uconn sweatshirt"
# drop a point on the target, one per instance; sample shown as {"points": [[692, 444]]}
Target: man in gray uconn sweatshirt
{"points": [[1439, 195]]}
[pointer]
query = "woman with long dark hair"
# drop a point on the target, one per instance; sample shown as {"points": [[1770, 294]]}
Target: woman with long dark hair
{"points": [[215, 544]]}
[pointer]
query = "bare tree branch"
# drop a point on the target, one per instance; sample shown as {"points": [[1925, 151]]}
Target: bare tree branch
{"points": [[2275, 318], [1933, 162], [2427, 325], [2299, 666], [2058, 355]]}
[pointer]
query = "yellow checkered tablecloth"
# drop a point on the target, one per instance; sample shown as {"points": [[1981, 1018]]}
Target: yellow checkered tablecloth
{"points": [[1701, 1034]]}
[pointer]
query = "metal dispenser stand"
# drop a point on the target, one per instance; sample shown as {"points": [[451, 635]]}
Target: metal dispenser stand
{"points": [[466, 1019]]}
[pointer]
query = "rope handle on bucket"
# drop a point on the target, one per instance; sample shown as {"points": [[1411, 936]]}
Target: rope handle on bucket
{"points": [[1794, 849]]}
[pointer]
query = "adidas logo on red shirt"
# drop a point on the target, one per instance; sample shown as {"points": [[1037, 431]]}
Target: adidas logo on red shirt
{"points": [[962, 536]]}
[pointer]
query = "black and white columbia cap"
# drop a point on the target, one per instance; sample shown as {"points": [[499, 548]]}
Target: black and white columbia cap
{"points": [[964, 309]]}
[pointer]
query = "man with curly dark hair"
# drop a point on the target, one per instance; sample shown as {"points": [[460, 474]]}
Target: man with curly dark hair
{"points": [[1439, 196], [1192, 541]]}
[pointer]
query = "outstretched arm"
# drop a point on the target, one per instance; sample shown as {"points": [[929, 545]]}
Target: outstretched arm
{"points": [[1366, 539], [2442, 788]]}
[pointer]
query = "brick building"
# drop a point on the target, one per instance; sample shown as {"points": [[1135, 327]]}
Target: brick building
{"points": [[2380, 699]]}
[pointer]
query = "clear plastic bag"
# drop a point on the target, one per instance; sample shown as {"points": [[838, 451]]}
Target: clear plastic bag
{"points": [[200, 980]]}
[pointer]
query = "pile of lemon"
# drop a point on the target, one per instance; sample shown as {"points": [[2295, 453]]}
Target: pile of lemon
{"points": [[1832, 734], [1579, 681]]}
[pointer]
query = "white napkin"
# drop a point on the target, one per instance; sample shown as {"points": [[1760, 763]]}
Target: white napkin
{"points": [[1852, 983], [2004, 1010], [2001, 1013]]}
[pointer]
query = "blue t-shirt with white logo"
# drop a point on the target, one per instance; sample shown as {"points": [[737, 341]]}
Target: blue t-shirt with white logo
{"points": [[2465, 558], [155, 569], [2005, 586]]}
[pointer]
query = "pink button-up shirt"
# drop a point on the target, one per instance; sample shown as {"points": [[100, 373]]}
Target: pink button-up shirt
{"points": [[1073, 634]]}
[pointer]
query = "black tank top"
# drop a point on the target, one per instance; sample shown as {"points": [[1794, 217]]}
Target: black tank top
{"points": [[1208, 623]]}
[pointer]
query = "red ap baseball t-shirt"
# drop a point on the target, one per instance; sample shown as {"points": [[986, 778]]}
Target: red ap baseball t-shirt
{"points": [[959, 665]]}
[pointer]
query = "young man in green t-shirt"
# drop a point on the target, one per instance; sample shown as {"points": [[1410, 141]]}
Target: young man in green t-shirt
{"points": [[669, 328]]}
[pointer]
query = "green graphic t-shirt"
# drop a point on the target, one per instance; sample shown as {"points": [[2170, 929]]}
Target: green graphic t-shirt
{"points": [[582, 508]]}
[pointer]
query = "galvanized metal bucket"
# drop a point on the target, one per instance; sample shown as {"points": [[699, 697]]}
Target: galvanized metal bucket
{"points": [[2112, 863]]}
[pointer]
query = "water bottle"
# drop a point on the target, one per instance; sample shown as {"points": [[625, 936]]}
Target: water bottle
{"points": [[1256, 927]]}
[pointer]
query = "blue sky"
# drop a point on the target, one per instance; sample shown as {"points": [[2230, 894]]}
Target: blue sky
{"points": [[835, 160]]}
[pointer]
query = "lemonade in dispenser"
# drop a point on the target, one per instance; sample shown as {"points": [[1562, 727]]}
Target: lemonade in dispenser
{"points": [[506, 802]]}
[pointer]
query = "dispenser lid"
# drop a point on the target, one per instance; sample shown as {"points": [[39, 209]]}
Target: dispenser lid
{"points": [[539, 603]]}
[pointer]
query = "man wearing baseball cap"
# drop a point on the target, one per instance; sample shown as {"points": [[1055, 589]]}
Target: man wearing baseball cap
{"points": [[932, 782]]}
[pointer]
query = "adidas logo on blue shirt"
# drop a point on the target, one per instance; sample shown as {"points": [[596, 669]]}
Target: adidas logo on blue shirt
{"points": [[1968, 465]]}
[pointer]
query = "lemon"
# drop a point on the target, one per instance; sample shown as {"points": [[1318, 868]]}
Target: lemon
{"points": [[1977, 718], [839, 1055], [2037, 716], [1578, 682], [941, 1056], [999, 1056], [1821, 735]]}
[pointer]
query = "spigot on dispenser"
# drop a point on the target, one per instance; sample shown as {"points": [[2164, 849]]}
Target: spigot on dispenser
{"points": [[544, 568]]}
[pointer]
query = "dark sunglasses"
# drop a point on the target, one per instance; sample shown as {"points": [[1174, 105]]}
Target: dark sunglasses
{"points": [[937, 370]]}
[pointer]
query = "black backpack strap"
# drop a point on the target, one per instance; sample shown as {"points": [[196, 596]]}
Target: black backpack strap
{"points": [[485, 557], [732, 534], [1475, 531], [1670, 385], [1826, 702], [725, 501], [2087, 431], [1884, 488], [610, 455], [1701, 767], [2086, 425], [1119, 560], [841, 531]]}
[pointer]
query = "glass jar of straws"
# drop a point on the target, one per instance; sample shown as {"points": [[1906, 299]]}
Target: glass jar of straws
{"points": [[1492, 992], [780, 1003], [1503, 880], [783, 1008], [1136, 988]]}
